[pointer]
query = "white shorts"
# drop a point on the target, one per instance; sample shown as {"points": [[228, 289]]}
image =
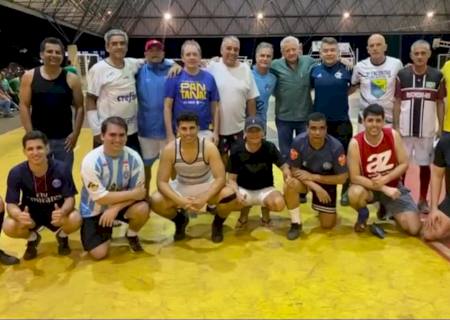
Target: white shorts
{"points": [[255, 197], [150, 148], [419, 149], [208, 134], [190, 190]]}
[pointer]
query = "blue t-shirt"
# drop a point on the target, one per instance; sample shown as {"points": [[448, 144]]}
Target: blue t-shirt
{"points": [[40, 193], [328, 160], [150, 81], [331, 85], [266, 84], [193, 93]]}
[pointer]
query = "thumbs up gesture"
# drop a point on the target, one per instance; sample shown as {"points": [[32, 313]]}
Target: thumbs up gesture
{"points": [[57, 216], [24, 217]]}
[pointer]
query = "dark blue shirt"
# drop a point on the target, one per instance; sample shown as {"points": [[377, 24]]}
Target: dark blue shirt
{"points": [[331, 85], [328, 160], [40, 193]]}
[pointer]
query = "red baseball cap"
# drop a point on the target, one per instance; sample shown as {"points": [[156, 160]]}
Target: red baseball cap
{"points": [[153, 43]]}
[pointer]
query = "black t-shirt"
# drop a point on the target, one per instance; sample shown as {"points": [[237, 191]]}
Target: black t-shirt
{"points": [[254, 170], [442, 158], [40, 194]]}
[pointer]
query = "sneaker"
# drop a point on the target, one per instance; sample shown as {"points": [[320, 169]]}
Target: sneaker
{"points": [[217, 232], [135, 244], [423, 207], [7, 260], [63, 245], [294, 231], [377, 230], [381, 213], [181, 221], [302, 197], [360, 227], [31, 251], [241, 224], [344, 200], [266, 223]]}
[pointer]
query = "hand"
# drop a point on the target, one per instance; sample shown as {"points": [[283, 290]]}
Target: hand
{"points": [[290, 181], [379, 181], [70, 142], [198, 203], [348, 65], [57, 216], [187, 203], [393, 193], [107, 218], [304, 175], [434, 218], [25, 218], [323, 196], [139, 192], [174, 70], [98, 139]]}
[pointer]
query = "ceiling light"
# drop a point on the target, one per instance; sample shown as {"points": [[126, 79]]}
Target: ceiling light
{"points": [[260, 15], [346, 15], [167, 16], [430, 14]]}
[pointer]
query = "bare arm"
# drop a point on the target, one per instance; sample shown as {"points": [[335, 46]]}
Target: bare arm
{"points": [[116, 197], [331, 179], [13, 210], [75, 83], [68, 205], [251, 107], [352, 89], [402, 159], [25, 100], [216, 121], [92, 116], [168, 107], [354, 167], [437, 175], [217, 170], [440, 115], [396, 114], [232, 182]]}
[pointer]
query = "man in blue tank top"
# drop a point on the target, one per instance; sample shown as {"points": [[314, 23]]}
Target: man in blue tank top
{"points": [[47, 94], [200, 179]]}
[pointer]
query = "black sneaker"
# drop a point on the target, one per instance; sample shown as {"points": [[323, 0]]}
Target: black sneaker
{"points": [[217, 231], [181, 221], [7, 260], [31, 251], [302, 198], [135, 244], [63, 245], [294, 231], [377, 230]]}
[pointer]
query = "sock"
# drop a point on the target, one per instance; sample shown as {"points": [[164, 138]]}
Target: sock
{"points": [[2, 216], [211, 206], [32, 236], [179, 215], [363, 215], [424, 181], [295, 216], [62, 234], [131, 233], [219, 220]]}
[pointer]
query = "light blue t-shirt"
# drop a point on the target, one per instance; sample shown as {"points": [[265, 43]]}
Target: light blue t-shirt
{"points": [[266, 84], [193, 93], [150, 81]]}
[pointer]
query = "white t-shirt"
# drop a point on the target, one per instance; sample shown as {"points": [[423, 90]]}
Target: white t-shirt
{"points": [[236, 86], [377, 83], [116, 91]]}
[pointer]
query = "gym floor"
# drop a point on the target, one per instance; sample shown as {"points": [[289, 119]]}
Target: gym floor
{"points": [[254, 273]]}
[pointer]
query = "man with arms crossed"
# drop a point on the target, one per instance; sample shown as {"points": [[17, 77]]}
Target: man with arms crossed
{"points": [[377, 161], [113, 188], [419, 103], [318, 163], [200, 179], [40, 193]]}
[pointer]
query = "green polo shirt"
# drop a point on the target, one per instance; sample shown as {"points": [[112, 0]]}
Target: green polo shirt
{"points": [[292, 94]]}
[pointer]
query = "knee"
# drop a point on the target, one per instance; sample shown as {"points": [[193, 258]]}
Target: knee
{"points": [[356, 196], [276, 204], [75, 219], [99, 252], [157, 202], [2, 206], [10, 228], [410, 223]]}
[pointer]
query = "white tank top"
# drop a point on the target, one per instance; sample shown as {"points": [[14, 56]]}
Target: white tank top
{"points": [[193, 173]]}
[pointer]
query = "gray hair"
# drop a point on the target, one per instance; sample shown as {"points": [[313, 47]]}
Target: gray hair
{"points": [[230, 38], [264, 45], [329, 40], [289, 39], [420, 43], [115, 32], [191, 43]]}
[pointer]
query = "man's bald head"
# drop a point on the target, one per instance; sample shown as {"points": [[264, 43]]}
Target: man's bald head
{"points": [[376, 47]]}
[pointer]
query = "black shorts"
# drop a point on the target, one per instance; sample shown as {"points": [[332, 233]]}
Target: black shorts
{"points": [[93, 234], [341, 130], [41, 219], [132, 142], [329, 207], [226, 142]]}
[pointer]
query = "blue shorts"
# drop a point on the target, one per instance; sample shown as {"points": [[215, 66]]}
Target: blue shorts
{"points": [[404, 203]]}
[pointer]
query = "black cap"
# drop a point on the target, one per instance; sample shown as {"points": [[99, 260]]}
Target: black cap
{"points": [[254, 122]]}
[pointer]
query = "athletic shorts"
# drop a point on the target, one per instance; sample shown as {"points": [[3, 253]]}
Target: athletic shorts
{"points": [[151, 148], [329, 207], [93, 235], [190, 190], [445, 206], [419, 149], [255, 197], [226, 142], [41, 219], [403, 204]]}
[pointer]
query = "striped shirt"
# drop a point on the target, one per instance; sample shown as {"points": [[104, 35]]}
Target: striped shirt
{"points": [[195, 172]]}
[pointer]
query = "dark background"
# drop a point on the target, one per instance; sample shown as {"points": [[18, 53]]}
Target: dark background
{"points": [[22, 31]]}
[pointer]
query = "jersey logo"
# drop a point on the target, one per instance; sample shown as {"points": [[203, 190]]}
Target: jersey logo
{"points": [[342, 160], [379, 162], [327, 165], [293, 154], [56, 183], [430, 84], [378, 87], [92, 186], [338, 75]]}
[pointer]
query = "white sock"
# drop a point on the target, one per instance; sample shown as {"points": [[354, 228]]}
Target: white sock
{"points": [[62, 234], [32, 236], [131, 233], [295, 215]]}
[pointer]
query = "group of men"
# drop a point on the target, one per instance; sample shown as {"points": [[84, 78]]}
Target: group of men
{"points": [[208, 126]]}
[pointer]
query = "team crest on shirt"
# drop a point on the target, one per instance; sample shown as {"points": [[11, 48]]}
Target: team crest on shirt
{"points": [[430, 84], [338, 75], [327, 165], [342, 160], [126, 170], [56, 183], [92, 186], [378, 87], [293, 154]]}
